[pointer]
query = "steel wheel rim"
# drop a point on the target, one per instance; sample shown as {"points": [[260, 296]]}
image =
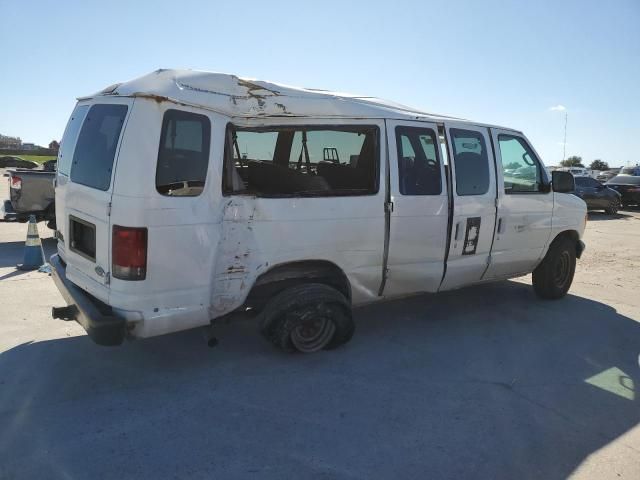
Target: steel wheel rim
{"points": [[314, 333], [561, 273]]}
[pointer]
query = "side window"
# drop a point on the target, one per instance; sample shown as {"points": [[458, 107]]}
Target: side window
{"points": [[471, 162], [581, 182], [520, 167], [593, 182], [301, 161], [183, 156], [418, 163]]}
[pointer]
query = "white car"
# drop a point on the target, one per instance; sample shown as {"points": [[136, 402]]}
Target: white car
{"points": [[183, 197]]}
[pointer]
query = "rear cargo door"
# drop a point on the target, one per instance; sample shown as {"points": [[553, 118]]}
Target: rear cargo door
{"points": [[87, 161]]}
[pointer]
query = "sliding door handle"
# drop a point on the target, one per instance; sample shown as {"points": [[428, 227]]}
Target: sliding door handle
{"points": [[456, 237], [500, 225]]}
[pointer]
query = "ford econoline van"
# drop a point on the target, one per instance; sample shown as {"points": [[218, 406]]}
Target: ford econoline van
{"points": [[184, 197]]}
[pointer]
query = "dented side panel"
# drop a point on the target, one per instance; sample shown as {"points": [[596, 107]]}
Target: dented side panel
{"points": [[260, 233]]}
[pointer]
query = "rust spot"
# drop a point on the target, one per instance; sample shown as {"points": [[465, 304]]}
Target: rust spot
{"points": [[150, 96], [250, 86]]}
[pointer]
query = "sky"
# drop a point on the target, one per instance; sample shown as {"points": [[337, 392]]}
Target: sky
{"points": [[519, 64]]}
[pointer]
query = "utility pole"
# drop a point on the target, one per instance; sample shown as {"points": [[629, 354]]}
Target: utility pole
{"points": [[564, 144]]}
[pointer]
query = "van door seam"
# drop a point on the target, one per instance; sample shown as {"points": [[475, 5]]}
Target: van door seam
{"points": [[387, 213], [449, 185], [495, 202]]}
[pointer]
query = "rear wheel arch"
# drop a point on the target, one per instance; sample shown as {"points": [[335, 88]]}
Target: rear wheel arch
{"points": [[285, 275]]}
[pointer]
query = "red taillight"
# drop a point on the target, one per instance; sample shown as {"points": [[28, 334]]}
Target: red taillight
{"points": [[16, 182], [129, 253]]}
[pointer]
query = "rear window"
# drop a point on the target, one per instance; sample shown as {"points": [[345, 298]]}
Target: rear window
{"points": [[625, 180], [96, 147], [183, 156]]}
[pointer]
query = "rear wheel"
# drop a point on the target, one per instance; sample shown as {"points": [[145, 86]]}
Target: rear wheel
{"points": [[308, 318], [553, 277]]}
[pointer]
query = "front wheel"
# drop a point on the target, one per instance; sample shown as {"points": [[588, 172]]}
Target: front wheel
{"points": [[553, 277]]}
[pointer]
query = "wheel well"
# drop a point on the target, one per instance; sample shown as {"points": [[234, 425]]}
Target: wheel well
{"points": [[287, 275], [574, 237]]}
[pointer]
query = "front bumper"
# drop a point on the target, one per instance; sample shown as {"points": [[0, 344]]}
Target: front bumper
{"points": [[97, 318]]}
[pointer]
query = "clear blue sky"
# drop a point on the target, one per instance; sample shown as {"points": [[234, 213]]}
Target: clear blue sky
{"points": [[493, 61]]}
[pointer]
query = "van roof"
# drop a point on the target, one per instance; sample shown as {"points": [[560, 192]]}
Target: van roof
{"points": [[249, 98]]}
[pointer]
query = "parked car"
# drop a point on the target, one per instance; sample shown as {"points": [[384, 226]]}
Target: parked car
{"points": [[597, 196], [629, 188], [30, 193], [607, 175], [184, 197]]}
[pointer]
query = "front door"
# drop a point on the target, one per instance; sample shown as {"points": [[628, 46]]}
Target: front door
{"points": [[418, 221], [474, 204], [525, 207]]}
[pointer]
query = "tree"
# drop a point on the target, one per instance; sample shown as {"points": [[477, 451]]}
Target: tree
{"points": [[54, 145], [598, 164], [573, 161]]}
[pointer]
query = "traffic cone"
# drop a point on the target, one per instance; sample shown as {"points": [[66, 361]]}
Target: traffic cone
{"points": [[33, 257]]}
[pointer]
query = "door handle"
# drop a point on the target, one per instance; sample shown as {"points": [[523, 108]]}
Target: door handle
{"points": [[456, 237], [500, 226]]}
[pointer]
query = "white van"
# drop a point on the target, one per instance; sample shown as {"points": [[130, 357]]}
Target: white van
{"points": [[183, 197]]}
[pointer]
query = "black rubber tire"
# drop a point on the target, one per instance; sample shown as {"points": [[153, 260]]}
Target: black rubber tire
{"points": [[294, 306], [553, 277], [613, 207]]}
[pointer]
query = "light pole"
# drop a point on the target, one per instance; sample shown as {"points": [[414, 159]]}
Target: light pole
{"points": [[564, 144]]}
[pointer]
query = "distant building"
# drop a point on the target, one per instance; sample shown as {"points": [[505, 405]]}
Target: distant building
{"points": [[30, 146], [10, 143]]}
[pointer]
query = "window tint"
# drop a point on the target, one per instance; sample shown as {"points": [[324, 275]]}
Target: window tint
{"points": [[301, 161], [520, 167], [183, 156], [96, 147], [418, 163], [471, 162]]}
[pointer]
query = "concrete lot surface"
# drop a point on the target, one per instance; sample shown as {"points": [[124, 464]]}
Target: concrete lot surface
{"points": [[485, 382]]}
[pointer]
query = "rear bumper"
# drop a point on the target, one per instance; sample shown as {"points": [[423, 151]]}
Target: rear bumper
{"points": [[97, 318]]}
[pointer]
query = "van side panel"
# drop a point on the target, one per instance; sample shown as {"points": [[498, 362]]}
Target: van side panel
{"points": [[183, 232], [260, 233]]}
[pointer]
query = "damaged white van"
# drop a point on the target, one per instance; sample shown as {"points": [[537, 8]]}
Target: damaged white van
{"points": [[182, 197]]}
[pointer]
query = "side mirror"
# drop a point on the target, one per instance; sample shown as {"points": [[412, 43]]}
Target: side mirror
{"points": [[562, 182]]}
